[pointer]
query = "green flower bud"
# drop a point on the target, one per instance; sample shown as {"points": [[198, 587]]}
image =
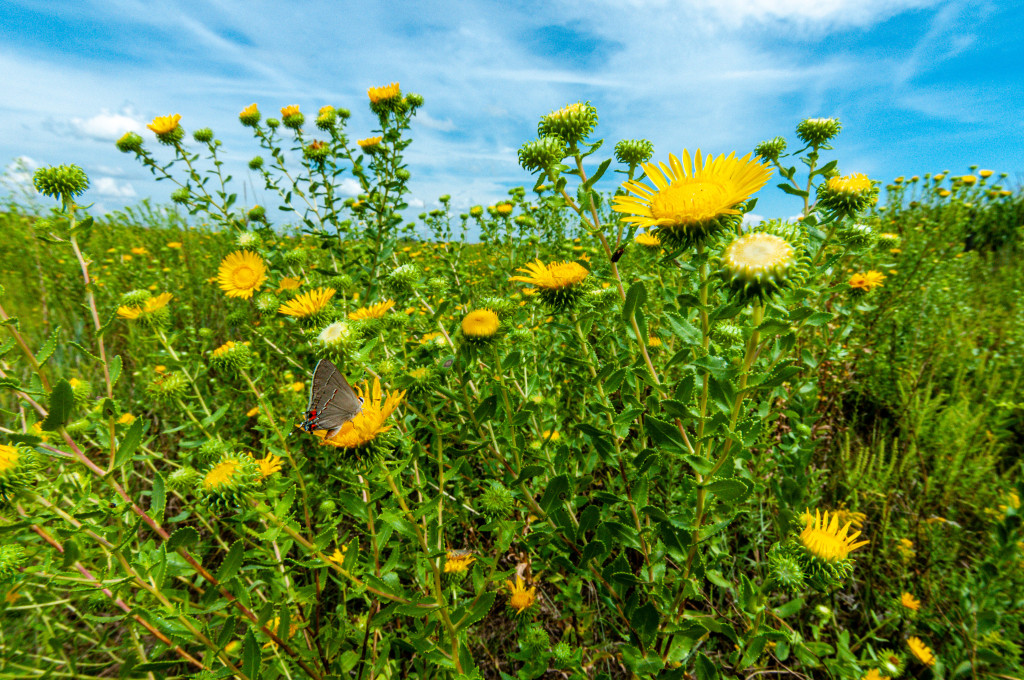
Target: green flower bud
{"points": [[181, 195], [339, 282], [273, 123], [535, 637], [267, 303], [296, 257], [758, 265], [771, 149], [727, 334], [562, 652], [541, 154], [80, 390], [212, 448], [402, 279], [785, 570], [476, 211], [344, 114], [12, 557], [888, 240], [183, 479], [226, 482], [339, 336], [525, 221], [858, 236], [327, 508], [256, 163], [572, 123], [63, 182], [818, 131], [203, 135], [257, 213], [167, 388], [325, 117], [232, 355], [249, 240], [502, 306], [413, 100], [129, 142], [135, 298], [497, 501], [634, 151], [402, 174], [438, 286]]}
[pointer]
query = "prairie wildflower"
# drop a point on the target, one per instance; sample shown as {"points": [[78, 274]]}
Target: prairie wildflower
{"points": [[268, 465], [503, 209], [376, 311], [16, 467], [338, 556], [865, 282], [875, 674], [634, 151], [316, 152], [480, 325], [905, 547], [167, 129], [826, 540], [227, 479], [384, 98], [847, 195], [520, 597], [910, 602], [571, 124], [370, 422], [130, 142], [818, 131], [308, 304], [233, 355], [771, 149], [541, 154], [326, 117], [458, 561], [336, 336], [62, 182], [250, 115], [292, 117], [969, 180], [648, 241], [557, 283], [370, 144], [921, 651], [692, 198], [152, 308], [126, 419], [167, 387], [758, 265], [241, 274]]}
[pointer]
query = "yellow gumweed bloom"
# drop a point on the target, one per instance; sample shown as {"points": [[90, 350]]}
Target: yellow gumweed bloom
{"points": [[223, 349], [174, 244], [292, 110], [875, 674], [520, 598], [268, 465], [866, 281], [369, 143], [458, 561], [153, 304], [648, 240], [163, 125], [126, 419], [223, 474], [920, 650], [308, 304], [827, 540], [254, 411], [241, 274], [910, 602], [480, 323], [9, 457], [369, 422], [504, 208], [338, 556], [288, 283], [985, 174], [552, 276], [140, 251], [384, 93], [968, 179], [689, 194], [945, 193], [856, 183], [376, 311]]}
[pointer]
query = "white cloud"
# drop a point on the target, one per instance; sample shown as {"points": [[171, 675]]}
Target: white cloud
{"points": [[429, 121], [349, 187], [416, 203], [751, 219], [106, 126], [108, 186]]}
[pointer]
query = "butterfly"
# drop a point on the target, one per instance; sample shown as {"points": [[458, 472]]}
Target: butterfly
{"points": [[332, 401]]}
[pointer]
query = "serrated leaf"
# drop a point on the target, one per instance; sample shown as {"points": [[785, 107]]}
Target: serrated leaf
{"points": [[49, 347], [232, 561], [729, 490], [635, 297], [115, 369], [158, 500], [792, 191], [62, 401], [130, 442], [479, 610], [182, 538], [251, 656]]}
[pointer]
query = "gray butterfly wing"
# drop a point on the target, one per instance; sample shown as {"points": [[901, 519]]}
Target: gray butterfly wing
{"points": [[335, 400]]}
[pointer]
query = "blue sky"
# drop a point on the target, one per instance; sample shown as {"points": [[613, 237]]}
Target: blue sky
{"points": [[920, 86]]}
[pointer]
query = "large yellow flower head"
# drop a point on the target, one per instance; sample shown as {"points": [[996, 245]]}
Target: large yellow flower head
{"points": [[826, 540], [372, 312], [480, 325], [921, 651], [308, 304], [167, 128], [648, 241], [384, 98], [520, 597], [558, 283], [692, 198], [241, 274], [228, 479], [152, 308], [369, 422]]}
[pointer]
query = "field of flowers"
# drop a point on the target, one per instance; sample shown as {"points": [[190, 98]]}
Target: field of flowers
{"points": [[621, 436]]}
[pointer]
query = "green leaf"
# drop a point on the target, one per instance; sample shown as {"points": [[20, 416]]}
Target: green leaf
{"points": [[48, 347], [182, 538], [755, 646], [635, 296], [232, 562], [594, 550], [158, 501], [557, 487], [71, 552], [666, 435], [483, 605], [729, 490], [705, 669], [597, 174], [62, 400], [251, 656], [81, 348], [115, 369], [129, 443], [645, 621], [792, 191]]}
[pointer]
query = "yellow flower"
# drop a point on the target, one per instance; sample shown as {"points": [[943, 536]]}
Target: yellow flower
{"points": [[945, 193], [338, 556], [222, 474], [383, 93], [254, 411], [968, 179], [241, 274], [550, 435], [297, 386], [648, 240], [369, 422], [308, 304], [139, 251], [268, 465], [174, 244], [910, 602], [163, 125], [504, 208], [126, 419], [292, 110], [376, 311], [827, 540], [653, 341], [691, 195], [985, 174], [520, 598], [552, 276], [866, 281], [370, 143], [289, 283], [1013, 501], [151, 305], [856, 183], [9, 457], [458, 561], [921, 651], [874, 674], [480, 323], [223, 349]]}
